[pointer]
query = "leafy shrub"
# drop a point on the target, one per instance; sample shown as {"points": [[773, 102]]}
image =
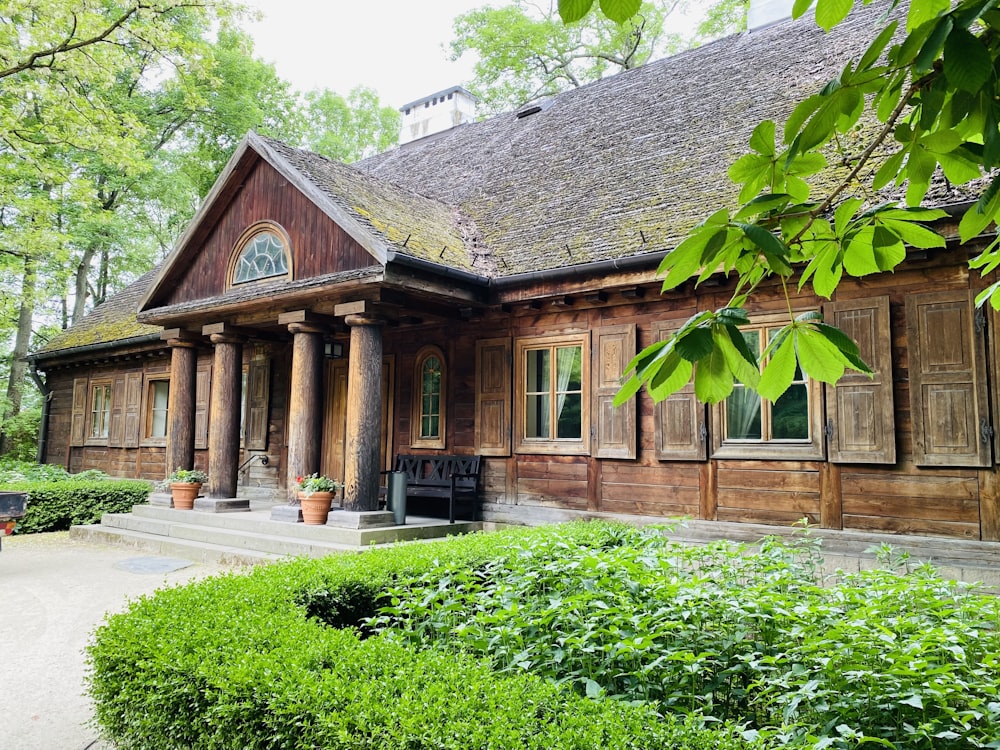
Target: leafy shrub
{"points": [[22, 431], [237, 661], [755, 638], [57, 505], [28, 471]]}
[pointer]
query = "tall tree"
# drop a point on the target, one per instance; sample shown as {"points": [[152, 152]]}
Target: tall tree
{"points": [[524, 52], [351, 128]]}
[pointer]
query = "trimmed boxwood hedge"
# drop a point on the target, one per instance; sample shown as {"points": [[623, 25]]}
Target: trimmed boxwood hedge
{"points": [[251, 661], [55, 506]]}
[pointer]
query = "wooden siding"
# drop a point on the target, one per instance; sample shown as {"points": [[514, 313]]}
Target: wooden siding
{"points": [[319, 246]]}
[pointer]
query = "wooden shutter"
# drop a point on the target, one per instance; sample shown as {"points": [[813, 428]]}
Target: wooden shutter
{"points": [[78, 418], [614, 429], [681, 428], [133, 405], [860, 415], [493, 397], [258, 391], [116, 421], [202, 397], [948, 398]]}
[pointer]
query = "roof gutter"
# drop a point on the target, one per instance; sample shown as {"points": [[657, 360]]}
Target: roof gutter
{"points": [[466, 277], [86, 348], [628, 263]]}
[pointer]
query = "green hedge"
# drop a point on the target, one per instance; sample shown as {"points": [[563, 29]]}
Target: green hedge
{"points": [[252, 662], [55, 506]]}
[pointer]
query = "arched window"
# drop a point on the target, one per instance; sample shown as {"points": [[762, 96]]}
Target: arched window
{"points": [[427, 424], [262, 252]]}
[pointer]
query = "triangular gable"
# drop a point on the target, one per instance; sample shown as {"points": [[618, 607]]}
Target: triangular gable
{"points": [[343, 221]]}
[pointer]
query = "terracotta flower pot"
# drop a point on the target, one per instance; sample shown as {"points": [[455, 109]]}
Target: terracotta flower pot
{"points": [[315, 507], [184, 493]]}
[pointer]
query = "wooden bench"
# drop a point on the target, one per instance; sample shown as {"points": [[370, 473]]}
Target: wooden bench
{"points": [[455, 478]]}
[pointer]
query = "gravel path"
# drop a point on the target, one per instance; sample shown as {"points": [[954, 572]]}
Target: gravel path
{"points": [[53, 592]]}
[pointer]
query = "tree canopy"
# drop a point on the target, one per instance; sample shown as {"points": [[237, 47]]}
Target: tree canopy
{"points": [[525, 53], [923, 99]]}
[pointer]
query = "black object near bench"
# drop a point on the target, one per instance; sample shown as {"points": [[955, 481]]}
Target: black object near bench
{"points": [[455, 478]]}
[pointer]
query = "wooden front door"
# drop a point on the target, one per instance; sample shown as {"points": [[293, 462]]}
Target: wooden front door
{"points": [[335, 416]]}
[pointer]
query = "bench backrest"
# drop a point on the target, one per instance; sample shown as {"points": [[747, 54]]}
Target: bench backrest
{"points": [[436, 471]]}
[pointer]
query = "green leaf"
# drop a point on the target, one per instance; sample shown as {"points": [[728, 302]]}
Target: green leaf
{"points": [[876, 48], [819, 358], [779, 371], [831, 12], [762, 139], [694, 344], [802, 112], [742, 363], [628, 389], [826, 270], [799, 7], [967, 63], [574, 10], [844, 214], [924, 11], [847, 347], [620, 11], [774, 249], [859, 255], [979, 216], [914, 234], [593, 689], [914, 700], [713, 382], [673, 374], [888, 171], [933, 46]]}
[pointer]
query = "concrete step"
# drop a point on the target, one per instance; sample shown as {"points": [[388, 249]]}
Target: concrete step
{"points": [[169, 547], [277, 544], [259, 522], [249, 537]]}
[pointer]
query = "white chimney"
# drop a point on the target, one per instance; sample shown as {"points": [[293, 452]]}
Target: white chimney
{"points": [[766, 12], [436, 113]]}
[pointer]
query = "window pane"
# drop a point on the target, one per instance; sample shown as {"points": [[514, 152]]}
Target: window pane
{"points": [[264, 256], [790, 415], [568, 368], [743, 411], [537, 416], [538, 371], [158, 421], [569, 420]]}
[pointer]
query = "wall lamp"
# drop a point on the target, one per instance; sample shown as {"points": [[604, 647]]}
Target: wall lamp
{"points": [[333, 350]]}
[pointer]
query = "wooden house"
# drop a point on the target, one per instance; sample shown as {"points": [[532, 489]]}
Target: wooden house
{"points": [[479, 291]]}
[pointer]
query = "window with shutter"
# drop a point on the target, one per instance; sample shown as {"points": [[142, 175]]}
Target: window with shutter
{"points": [[615, 434], [493, 397], [157, 411], [133, 404], [552, 376], [860, 413], [948, 395], [680, 421], [257, 402], [99, 427], [78, 415], [202, 397], [116, 419]]}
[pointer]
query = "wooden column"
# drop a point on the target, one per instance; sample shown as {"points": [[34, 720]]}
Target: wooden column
{"points": [[181, 404], [305, 408], [224, 415], [364, 413]]}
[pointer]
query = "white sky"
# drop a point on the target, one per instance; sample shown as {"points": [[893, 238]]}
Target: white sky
{"points": [[396, 47]]}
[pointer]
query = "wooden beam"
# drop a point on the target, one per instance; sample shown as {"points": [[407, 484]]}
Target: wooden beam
{"points": [[359, 307]]}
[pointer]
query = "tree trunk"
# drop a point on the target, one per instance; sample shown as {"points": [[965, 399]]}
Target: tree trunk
{"points": [[81, 285], [19, 363]]}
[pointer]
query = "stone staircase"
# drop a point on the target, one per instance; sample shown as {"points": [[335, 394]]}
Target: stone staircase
{"points": [[249, 537]]}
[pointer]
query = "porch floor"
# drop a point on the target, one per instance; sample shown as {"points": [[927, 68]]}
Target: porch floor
{"points": [[250, 537]]}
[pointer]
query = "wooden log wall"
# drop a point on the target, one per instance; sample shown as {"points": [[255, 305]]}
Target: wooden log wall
{"points": [[893, 498]]}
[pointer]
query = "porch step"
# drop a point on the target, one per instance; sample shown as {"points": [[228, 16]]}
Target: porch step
{"points": [[250, 536], [169, 547]]}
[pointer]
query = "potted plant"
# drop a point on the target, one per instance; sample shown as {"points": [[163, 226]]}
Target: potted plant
{"points": [[316, 497], [185, 484]]}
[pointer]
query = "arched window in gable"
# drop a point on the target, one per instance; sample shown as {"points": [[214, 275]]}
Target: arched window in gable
{"points": [[427, 423], [262, 252]]}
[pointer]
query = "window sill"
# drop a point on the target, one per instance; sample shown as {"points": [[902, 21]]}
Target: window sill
{"points": [[552, 449], [770, 451]]}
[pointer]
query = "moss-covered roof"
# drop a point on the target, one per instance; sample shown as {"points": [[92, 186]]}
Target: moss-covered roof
{"points": [[111, 321], [628, 164]]}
